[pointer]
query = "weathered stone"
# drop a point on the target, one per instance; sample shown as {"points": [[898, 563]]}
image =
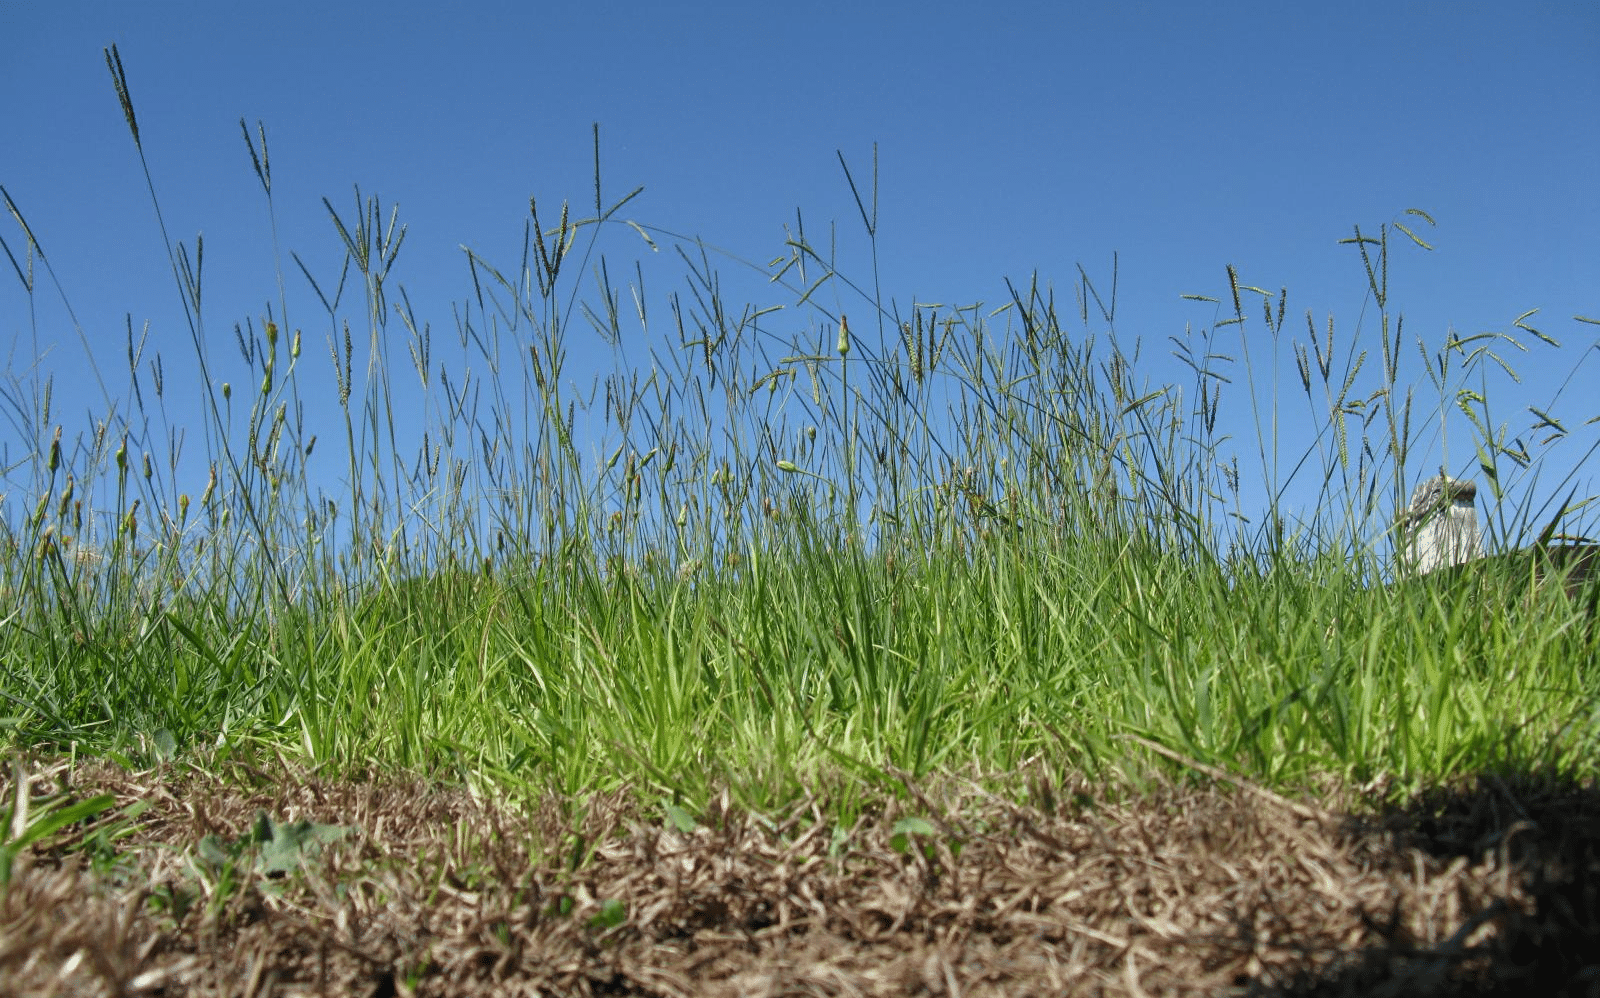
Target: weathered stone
{"points": [[1440, 527], [1439, 536]]}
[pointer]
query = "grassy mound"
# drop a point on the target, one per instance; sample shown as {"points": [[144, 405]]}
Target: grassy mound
{"points": [[651, 667]]}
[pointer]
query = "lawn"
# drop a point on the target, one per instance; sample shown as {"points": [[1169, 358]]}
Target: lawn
{"points": [[917, 652]]}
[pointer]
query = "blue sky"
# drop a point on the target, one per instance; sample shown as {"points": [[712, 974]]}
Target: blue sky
{"points": [[1012, 139]]}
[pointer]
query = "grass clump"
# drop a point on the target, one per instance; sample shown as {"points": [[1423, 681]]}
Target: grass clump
{"points": [[759, 560]]}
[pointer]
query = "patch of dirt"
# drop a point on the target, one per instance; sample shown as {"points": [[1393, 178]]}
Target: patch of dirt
{"points": [[1486, 888]]}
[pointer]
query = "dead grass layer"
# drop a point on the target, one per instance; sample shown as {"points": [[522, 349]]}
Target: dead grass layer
{"points": [[1485, 888]]}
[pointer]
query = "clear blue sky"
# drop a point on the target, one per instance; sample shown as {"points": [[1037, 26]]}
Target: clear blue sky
{"points": [[1012, 138]]}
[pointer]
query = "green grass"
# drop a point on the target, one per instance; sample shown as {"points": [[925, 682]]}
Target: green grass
{"points": [[923, 542]]}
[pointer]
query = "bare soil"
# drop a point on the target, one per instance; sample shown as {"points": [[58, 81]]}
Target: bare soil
{"points": [[1490, 887]]}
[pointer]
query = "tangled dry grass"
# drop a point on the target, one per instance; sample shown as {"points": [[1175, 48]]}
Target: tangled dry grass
{"points": [[1489, 887]]}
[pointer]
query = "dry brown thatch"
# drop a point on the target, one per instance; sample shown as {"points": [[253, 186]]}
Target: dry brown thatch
{"points": [[1481, 889]]}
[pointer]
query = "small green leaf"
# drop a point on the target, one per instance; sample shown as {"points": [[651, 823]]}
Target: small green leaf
{"points": [[165, 743], [612, 914], [680, 819], [907, 828], [274, 849], [285, 846], [214, 852]]}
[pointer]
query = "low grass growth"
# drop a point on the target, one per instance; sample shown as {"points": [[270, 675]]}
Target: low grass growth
{"points": [[751, 559]]}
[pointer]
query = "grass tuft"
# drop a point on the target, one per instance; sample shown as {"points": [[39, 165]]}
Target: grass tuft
{"points": [[770, 550]]}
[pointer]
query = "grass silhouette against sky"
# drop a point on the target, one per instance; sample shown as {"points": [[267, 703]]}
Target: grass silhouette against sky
{"points": [[1011, 141]]}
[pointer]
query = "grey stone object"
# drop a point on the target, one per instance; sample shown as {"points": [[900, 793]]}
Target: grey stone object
{"points": [[1439, 536], [1440, 527]]}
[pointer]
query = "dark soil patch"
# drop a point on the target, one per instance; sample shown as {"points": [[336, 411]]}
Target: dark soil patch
{"points": [[1489, 888]]}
